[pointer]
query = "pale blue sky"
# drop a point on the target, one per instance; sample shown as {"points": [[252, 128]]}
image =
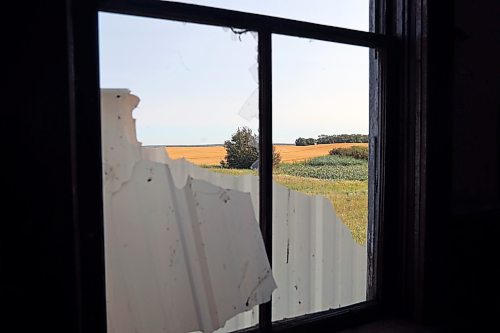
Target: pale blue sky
{"points": [[196, 83]]}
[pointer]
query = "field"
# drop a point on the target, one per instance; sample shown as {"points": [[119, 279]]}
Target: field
{"points": [[309, 170], [212, 155]]}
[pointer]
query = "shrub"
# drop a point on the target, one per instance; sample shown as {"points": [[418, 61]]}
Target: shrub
{"points": [[276, 157], [359, 152]]}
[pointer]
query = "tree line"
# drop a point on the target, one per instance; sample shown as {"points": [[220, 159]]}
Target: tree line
{"points": [[336, 138]]}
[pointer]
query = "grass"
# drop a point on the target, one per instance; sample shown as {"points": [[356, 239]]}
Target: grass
{"points": [[232, 172], [349, 196]]}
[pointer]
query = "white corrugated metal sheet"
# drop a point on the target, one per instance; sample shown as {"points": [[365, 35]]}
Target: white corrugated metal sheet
{"points": [[316, 263], [178, 259]]}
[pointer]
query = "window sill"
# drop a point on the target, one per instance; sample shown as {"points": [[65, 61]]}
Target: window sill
{"points": [[392, 326]]}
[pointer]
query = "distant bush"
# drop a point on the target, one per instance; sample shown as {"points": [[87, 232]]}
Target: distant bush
{"points": [[359, 152], [342, 138], [276, 157], [305, 142]]}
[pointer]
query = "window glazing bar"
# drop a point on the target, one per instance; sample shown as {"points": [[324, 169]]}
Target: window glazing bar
{"points": [[265, 159], [247, 21]]}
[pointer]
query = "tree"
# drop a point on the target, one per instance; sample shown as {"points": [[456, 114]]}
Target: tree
{"points": [[310, 141], [242, 150], [325, 139], [305, 142], [300, 142]]}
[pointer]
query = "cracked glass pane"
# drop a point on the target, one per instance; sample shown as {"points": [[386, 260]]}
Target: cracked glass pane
{"points": [[320, 133], [352, 14], [183, 245]]}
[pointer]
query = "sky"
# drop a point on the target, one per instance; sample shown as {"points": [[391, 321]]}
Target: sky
{"points": [[197, 84]]}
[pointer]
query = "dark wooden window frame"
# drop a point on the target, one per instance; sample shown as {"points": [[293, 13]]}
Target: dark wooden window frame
{"points": [[398, 73]]}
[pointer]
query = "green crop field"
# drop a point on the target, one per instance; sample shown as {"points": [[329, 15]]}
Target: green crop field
{"points": [[343, 180]]}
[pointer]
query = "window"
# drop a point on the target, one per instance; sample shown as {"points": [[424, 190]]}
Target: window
{"points": [[269, 30]]}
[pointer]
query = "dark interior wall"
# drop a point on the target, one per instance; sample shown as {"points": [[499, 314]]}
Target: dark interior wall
{"points": [[464, 164], [475, 200], [51, 248], [476, 120], [38, 264], [38, 269], [436, 300]]}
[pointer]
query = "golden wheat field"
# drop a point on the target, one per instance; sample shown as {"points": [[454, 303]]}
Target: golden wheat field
{"points": [[212, 155]]}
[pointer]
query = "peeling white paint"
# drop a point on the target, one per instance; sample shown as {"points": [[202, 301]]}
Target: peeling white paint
{"points": [[182, 254]]}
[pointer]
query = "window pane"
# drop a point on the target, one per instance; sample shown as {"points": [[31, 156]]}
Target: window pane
{"points": [[320, 196], [193, 80], [352, 14], [198, 88]]}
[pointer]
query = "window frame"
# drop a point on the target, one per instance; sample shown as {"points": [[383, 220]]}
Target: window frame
{"points": [[394, 23], [266, 27]]}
